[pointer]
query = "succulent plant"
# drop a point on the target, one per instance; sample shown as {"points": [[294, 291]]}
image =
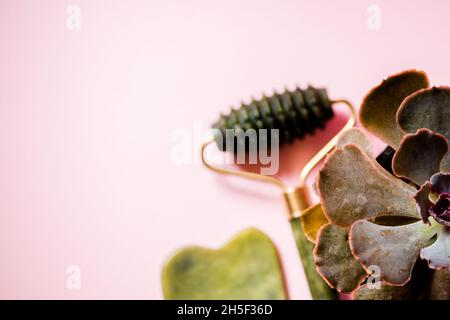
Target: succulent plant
{"points": [[395, 224]]}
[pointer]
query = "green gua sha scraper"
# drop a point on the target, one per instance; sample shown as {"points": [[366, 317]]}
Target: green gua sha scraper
{"points": [[287, 116], [247, 267]]}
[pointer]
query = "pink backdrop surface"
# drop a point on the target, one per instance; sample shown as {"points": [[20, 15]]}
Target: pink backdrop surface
{"points": [[88, 117]]}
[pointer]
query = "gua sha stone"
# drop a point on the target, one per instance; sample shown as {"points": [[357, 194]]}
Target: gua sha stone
{"points": [[247, 267]]}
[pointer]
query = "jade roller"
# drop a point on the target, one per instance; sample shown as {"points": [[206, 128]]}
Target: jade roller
{"points": [[293, 114]]}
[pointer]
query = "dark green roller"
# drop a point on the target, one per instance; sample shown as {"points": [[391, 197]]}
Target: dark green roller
{"points": [[294, 113]]}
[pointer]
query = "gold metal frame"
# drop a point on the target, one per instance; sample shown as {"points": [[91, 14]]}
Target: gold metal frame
{"points": [[297, 198]]}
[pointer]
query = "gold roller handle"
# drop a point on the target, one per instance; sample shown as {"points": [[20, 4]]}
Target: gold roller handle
{"points": [[297, 198]]}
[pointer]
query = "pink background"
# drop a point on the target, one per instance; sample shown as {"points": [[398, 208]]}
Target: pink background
{"points": [[87, 120]]}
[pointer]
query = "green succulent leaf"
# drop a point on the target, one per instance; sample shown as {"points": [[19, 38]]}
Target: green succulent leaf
{"points": [[334, 259], [353, 186], [382, 290], [419, 156], [440, 285], [427, 108], [378, 110], [394, 250]]}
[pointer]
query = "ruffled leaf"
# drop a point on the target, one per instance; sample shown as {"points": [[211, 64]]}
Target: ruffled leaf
{"points": [[355, 136], [353, 186], [440, 285], [385, 292], [393, 249], [334, 259], [440, 188], [419, 155], [440, 183], [438, 254], [413, 290], [423, 201], [427, 108], [379, 107]]}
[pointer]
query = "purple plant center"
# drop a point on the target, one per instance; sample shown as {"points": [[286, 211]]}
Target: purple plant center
{"points": [[441, 209]]}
